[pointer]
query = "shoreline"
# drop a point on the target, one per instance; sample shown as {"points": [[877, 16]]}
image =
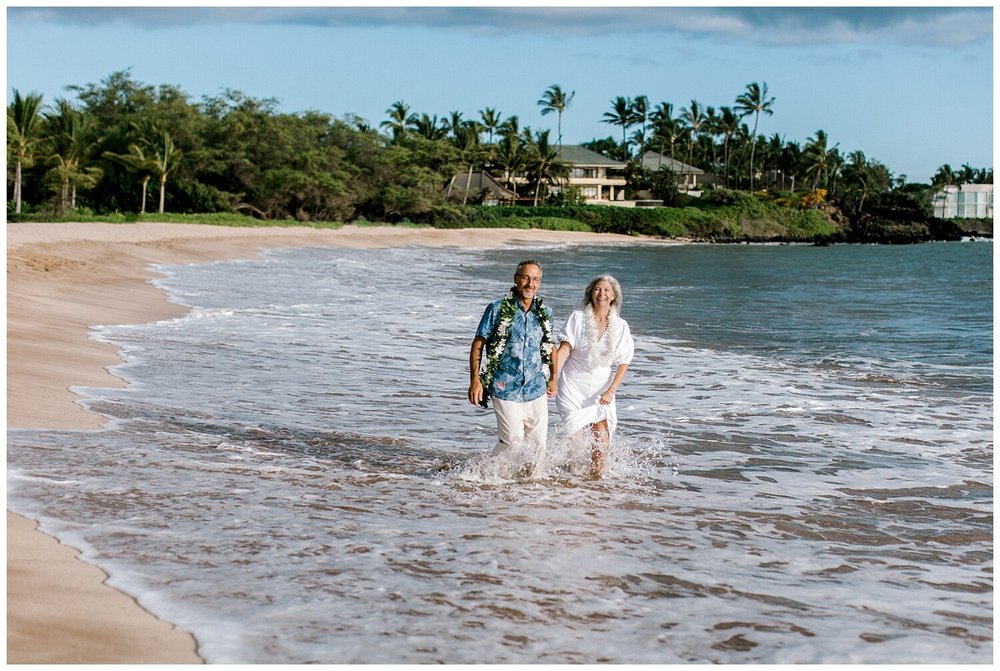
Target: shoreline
{"points": [[62, 278]]}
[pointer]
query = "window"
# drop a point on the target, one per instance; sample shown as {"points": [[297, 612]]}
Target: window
{"points": [[973, 203]]}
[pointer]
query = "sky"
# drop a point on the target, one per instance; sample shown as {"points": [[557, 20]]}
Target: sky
{"points": [[909, 85]]}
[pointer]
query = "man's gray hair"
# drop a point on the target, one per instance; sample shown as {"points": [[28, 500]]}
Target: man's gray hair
{"points": [[528, 262], [588, 293]]}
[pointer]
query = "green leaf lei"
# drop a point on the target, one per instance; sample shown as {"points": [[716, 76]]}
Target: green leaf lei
{"points": [[498, 341]]}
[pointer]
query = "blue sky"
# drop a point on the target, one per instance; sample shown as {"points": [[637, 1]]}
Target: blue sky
{"points": [[911, 86]]}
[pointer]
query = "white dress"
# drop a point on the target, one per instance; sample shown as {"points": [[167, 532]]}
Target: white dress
{"points": [[589, 369]]}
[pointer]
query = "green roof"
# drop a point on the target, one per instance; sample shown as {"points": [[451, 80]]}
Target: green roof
{"points": [[575, 154]]}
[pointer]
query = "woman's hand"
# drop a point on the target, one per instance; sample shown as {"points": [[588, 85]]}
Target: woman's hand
{"points": [[552, 388], [606, 397]]}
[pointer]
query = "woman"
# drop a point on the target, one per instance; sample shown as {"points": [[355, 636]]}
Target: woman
{"points": [[595, 349]]}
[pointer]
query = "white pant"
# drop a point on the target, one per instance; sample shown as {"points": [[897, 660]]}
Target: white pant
{"points": [[521, 423]]}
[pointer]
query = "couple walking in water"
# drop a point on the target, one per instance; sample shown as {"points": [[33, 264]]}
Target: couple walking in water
{"points": [[516, 361]]}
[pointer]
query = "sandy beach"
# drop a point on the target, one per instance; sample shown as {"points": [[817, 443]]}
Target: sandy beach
{"points": [[63, 278]]}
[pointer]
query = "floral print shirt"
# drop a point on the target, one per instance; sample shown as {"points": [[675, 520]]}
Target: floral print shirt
{"points": [[521, 376]]}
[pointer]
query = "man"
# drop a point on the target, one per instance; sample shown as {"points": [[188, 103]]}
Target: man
{"points": [[508, 361]]}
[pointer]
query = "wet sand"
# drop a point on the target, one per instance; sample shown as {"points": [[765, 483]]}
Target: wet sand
{"points": [[63, 278]]}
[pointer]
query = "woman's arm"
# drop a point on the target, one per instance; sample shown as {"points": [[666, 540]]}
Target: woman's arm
{"points": [[561, 355], [609, 393]]}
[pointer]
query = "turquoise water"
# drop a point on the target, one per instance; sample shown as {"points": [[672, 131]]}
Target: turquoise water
{"points": [[803, 472], [916, 306]]}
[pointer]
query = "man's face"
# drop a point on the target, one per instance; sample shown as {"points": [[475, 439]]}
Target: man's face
{"points": [[527, 282]]}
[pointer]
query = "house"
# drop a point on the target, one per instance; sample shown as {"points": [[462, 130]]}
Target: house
{"points": [[968, 201], [684, 174], [599, 178], [479, 187]]}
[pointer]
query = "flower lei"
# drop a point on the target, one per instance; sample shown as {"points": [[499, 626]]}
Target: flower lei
{"points": [[602, 357], [498, 341]]}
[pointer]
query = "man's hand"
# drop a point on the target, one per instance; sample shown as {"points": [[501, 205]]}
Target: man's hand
{"points": [[476, 392], [552, 388]]}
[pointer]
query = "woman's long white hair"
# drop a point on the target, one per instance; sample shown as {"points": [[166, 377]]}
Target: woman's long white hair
{"points": [[588, 293]]}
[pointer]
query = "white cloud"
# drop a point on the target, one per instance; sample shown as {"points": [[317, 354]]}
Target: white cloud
{"points": [[907, 26]]}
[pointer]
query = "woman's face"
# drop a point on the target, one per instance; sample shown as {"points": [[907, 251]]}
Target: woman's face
{"points": [[603, 294]]}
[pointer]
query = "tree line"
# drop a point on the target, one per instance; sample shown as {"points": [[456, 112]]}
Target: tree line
{"points": [[122, 144]]}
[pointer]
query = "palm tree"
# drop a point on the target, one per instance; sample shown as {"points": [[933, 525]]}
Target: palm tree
{"points": [[754, 101], [789, 162], [621, 114], [640, 113], [729, 125], [711, 131], [556, 100], [71, 139], [510, 127], [770, 156], [139, 162], [694, 118], [491, 120], [856, 177], [511, 156], [836, 162], [466, 140], [453, 123], [967, 174], [24, 132], [817, 159], [428, 127], [666, 129], [740, 152], [944, 176], [528, 134], [864, 178], [639, 140], [544, 163], [167, 155], [399, 118]]}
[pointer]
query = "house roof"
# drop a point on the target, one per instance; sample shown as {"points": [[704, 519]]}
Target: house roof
{"points": [[575, 154], [480, 181], [655, 161], [967, 187]]}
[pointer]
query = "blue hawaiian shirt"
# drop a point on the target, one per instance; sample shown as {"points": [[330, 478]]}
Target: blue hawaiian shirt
{"points": [[521, 375]]}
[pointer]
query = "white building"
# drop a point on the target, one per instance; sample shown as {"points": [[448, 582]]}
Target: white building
{"points": [[967, 201], [598, 177], [684, 175]]}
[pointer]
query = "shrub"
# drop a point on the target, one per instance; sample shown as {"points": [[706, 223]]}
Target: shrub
{"points": [[812, 199]]}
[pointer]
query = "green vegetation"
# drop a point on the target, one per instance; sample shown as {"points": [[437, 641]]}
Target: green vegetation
{"points": [[123, 149], [748, 220], [214, 219]]}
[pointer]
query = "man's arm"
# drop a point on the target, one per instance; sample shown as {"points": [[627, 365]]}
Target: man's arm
{"points": [[475, 358]]}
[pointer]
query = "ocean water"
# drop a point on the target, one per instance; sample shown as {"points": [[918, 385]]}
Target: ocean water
{"points": [[803, 470]]}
